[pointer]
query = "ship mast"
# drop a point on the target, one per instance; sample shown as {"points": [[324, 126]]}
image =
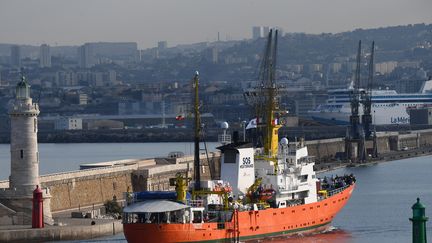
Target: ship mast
{"points": [[197, 130]]}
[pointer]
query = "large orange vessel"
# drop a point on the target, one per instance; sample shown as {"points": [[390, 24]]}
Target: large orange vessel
{"points": [[261, 192], [244, 225]]}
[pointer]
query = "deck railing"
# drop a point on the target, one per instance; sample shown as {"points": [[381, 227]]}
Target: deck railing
{"points": [[337, 190], [196, 203]]}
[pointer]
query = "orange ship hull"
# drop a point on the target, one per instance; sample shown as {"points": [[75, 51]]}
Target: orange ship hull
{"points": [[313, 217]]}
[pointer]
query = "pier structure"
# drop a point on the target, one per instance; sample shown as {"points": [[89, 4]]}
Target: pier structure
{"points": [[16, 199], [96, 183]]}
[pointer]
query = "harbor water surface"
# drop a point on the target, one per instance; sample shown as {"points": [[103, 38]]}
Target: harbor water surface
{"points": [[378, 210]]}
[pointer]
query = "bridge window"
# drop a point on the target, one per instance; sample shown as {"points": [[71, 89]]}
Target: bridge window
{"points": [[303, 178], [197, 217]]}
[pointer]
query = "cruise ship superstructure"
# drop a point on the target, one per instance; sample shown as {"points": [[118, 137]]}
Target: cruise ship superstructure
{"points": [[388, 106]]}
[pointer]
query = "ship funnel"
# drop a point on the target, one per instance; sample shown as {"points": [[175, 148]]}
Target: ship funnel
{"points": [[237, 166]]}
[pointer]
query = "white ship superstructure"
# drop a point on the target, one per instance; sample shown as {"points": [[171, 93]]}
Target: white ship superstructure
{"points": [[290, 178], [388, 106]]}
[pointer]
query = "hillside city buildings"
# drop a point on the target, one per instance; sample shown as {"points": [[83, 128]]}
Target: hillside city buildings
{"points": [[116, 85]]}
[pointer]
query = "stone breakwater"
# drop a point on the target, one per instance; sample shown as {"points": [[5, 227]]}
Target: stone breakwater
{"points": [[82, 188]]}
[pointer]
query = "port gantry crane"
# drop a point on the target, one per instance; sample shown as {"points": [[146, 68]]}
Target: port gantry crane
{"points": [[367, 98], [367, 105], [355, 99], [355, 141]]}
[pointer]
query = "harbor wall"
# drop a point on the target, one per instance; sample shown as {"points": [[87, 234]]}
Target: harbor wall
{"points": [[157, 178], [86, 188], [325, 149], [92, 187], [328, 150]]}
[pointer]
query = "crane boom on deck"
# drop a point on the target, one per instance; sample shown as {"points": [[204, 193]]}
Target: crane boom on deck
{"points": [[264, 98]]}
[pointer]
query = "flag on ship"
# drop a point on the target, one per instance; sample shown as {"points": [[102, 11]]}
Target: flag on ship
{"points": [[252, 124]]}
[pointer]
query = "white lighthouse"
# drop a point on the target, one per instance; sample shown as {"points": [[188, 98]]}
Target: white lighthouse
{"points": [[24, 175], [23, 145]]}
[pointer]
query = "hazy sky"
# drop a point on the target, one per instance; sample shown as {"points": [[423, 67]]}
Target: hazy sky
{"points": [[185, 21]]}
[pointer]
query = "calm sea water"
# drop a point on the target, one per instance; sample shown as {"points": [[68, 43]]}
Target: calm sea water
{"points": [[377, 212]]}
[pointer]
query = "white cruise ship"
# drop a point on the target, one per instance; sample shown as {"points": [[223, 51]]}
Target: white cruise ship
{"points": [[388, 106]]}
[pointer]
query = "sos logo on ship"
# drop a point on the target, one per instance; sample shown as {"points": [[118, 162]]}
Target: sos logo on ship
{"points": [[246, 163]]}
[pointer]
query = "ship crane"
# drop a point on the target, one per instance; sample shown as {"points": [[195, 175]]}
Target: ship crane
{"points": [[263, 99]]}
